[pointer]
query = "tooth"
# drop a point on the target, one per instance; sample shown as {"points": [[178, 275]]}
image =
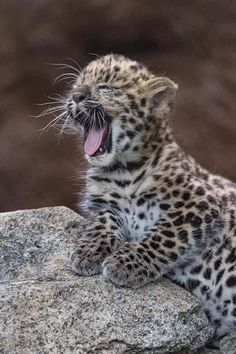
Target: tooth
{"points": [[100, 149]]}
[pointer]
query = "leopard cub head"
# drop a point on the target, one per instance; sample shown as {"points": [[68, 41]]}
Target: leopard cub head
{"points": [[117, 104]]}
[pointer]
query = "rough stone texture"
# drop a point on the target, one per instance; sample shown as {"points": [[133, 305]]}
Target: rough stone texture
{"points": [[192, 42], [47, 309]]}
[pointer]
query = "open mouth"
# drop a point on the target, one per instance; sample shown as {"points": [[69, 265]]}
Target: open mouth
{"points": [[97, 140], [97, 130]]}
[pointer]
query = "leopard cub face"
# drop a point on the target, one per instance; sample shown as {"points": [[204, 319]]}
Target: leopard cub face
{"points": [[116, 105]]}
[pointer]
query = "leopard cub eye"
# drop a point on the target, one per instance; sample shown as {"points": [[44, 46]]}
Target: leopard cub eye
{"points": [[105, 87]]}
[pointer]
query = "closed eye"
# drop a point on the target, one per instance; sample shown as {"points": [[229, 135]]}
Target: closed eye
{"points": [[105, 87]]}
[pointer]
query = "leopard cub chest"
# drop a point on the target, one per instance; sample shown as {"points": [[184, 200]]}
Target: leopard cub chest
{"points": [[140, 214]]}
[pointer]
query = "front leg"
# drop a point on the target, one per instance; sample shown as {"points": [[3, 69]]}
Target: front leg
{"points": [[100, 236], [138, 263]]}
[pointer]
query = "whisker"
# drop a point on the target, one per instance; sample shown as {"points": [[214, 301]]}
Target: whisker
{"points": [[52, 123], [76, 63], [62, 130], [48, 111], [65, 76], [46, 103], [58, 98], [62, 66], [95, 55]]}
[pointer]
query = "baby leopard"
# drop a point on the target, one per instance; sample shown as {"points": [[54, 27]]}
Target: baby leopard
{"points": [[152, 210]]}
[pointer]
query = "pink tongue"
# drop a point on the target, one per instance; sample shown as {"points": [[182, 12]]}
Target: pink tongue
{"points": [[94, 140]]}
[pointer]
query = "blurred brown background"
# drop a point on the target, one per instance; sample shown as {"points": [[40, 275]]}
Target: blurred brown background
{"points": [[192, 42]]}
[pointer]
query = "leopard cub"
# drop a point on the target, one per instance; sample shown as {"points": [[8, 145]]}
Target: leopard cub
{"points": [[152, 209]]}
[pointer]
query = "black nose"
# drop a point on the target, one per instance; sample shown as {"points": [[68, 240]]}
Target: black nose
{"points": [[78, 97]]}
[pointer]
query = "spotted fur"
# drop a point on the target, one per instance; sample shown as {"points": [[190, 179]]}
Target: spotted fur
{"points": [[152, 210]]}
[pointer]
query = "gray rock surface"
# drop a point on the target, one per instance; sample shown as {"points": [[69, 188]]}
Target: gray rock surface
{"points": [[45, 308]]}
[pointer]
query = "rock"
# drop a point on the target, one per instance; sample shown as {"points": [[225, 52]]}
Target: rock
{"points": [[192, 42], [45, 308]]}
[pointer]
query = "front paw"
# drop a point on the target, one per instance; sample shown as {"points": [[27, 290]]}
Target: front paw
{"points": [[125, 269], [87, 258], [228, 343]]}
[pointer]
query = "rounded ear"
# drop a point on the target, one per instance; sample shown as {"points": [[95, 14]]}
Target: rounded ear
{"points": [[161, 91]]}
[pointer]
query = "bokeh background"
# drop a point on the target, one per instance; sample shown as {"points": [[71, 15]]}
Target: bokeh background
{"points": [[192, 42]]}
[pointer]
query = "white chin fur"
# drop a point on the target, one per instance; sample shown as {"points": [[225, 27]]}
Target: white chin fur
{"points": [[100, 160]]}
